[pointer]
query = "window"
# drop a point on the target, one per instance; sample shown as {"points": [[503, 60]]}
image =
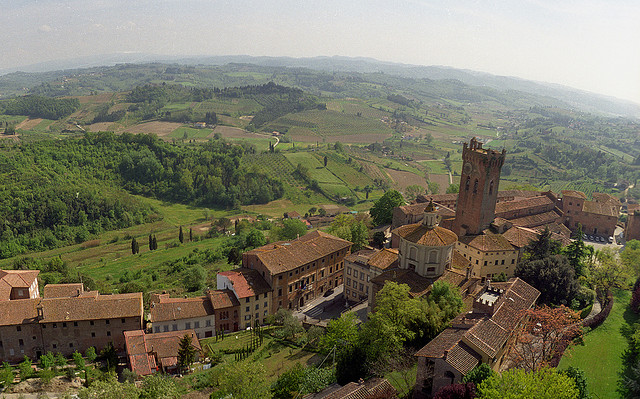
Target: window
{"points": [[265, 305], [55, 325], [475, 186], [361, 287], [265, 295], [502, 263], [513, 261], [187, 325], [174, 327], [280, 277], [348, 281], [247, 317], [122, 320], [491, 187], [0, 344], [496, 262], [19, 328], [431, 269], [54, 346], [348, 271], [257, 316], [246, 300], [466, 185], [290, 274], [156, 329], [257, 306], [64, 324], [485, 262], [433, 257], [165, 328], [21, 342], [279, 291], [70, 344], [108, 333], [196, 324], [75, 324], [348, 292], [207, 323], [291, 288], [91, 322], [93, 334], [246, 309]]}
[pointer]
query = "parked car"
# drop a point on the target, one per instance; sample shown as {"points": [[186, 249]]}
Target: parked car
{"points": [[610, 240], [590, 238]]}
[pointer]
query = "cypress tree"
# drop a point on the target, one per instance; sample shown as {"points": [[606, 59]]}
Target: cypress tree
{"points": [[181, 235], [134, 244]]}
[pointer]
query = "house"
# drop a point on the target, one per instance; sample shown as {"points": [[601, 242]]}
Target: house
{"points": [[299, 270], [374, 388], [597, 217], [252, 293], [361, 267], [179, 314], [18, 284], [150, 353], [66, 319], [483, 335], [226, 308]]}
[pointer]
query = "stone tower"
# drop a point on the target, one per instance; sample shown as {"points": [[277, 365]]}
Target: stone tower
{"points": [[478, 188]]}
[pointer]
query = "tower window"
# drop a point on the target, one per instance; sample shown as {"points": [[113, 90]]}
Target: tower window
{"points": [[466, 185], [491, 187], [475, 186]]}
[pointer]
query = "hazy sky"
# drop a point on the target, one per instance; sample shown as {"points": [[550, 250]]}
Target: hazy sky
{"points": [[588, 44]]}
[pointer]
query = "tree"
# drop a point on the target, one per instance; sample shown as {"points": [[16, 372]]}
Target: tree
{"points": [[340, 332], [245, 380], [580, 379], [109, 388], [322, 212], [194, 278], [224, 224], [367, 190], [382, 209], [134, 246], [543, 247], [187, 353], [234, 256], [397, 312], [544, 330], [351, 363], [412, 191], [110, 356], [578, 253], [160, 386], [150, 243], [630, 256], [453, 189], [338, 147], [607, 272], [553, 276], [190, 234], [349, 228], [78, 360], [379, 239], [255, 238], [325, 161], [288, 384], [312, 210], [457, 391], [434, 187], [25, 369], [90, 354], [155, 242], [181, 235], [478, 374], [47, 360], [290, 230], [545, 383], [6, 375]]}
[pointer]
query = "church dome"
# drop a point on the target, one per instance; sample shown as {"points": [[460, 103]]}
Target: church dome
{"points": [[420, 234]]}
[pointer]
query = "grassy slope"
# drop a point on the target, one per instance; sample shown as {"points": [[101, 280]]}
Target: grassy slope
{"points": [[601, 356]]}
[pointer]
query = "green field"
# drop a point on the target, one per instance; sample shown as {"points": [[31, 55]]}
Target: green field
{"points": [[188, 133], [601, 356], [332, 123]]}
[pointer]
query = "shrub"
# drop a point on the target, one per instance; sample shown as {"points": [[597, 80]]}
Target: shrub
{"points": [[90, 244]]}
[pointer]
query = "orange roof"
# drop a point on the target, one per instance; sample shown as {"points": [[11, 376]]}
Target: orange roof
{"points": [[573, 194], [431, 237], [521, 204], [63, 290], [520, 237], [221, 299], [166, 308], [96, 307], [284, 256], [15, 279], [246, 282], [537, 219], [143, 349], [600, 208], [488, 242], [384, 259]]}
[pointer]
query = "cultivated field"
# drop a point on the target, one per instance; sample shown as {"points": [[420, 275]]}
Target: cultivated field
{"points": [[402, 179], [161, 129]]}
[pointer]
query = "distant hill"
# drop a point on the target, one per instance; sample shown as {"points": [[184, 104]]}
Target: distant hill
{"points": [[11, 80]]}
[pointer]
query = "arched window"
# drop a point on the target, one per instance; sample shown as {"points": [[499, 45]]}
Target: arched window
{"points": [[491, 187], [412, 253], [466, 185], [450, 375], [433, 257], [475, 186]]}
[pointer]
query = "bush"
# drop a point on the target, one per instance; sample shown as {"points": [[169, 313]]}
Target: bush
{"points": [[602, 316], [25, 369]]}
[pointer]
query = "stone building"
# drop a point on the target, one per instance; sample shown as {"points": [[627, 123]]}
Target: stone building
{"points": [[151, 353], [300, 270], [18, 284], [253, 294], [483, 335], [598, 217], [67, 319], [360, 267], [180, 314], [632, 229]]}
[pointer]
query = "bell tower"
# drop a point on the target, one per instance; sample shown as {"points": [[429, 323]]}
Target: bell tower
{"points": [[478, 188]]}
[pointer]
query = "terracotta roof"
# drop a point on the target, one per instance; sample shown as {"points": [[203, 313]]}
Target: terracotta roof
{"points": [[522, 204], [455, 344], [458, 261], [285, 256], [221, 299], [372, 388], [437, 198], [520, 237], [420, 234], [15, 279], [419, 208], [606, 198], [246, 282], [488, 242], [600, 208], [92, 307], [360, 257], [418, 285], [97, 307], [63, 290], [574, 194], [143, 349], [384, 259], [537, 219], [167, 308]]}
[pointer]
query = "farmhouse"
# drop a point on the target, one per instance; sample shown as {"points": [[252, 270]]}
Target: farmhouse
{"points": [[151, 353], [180, 314], [252, 293]]}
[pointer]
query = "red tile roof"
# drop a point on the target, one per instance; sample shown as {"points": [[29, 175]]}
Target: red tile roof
{"points": [[600, 208], [431, 237], [246, 282], [487, 242], [15, 279], [574, 194], [520, 237], [537, 219], [284, 256], [165, 308], [63, 290], [221, 299], [146, 350], [522, 204]]}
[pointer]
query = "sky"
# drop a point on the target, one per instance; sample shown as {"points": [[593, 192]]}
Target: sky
{"points": [[586, 44]]}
